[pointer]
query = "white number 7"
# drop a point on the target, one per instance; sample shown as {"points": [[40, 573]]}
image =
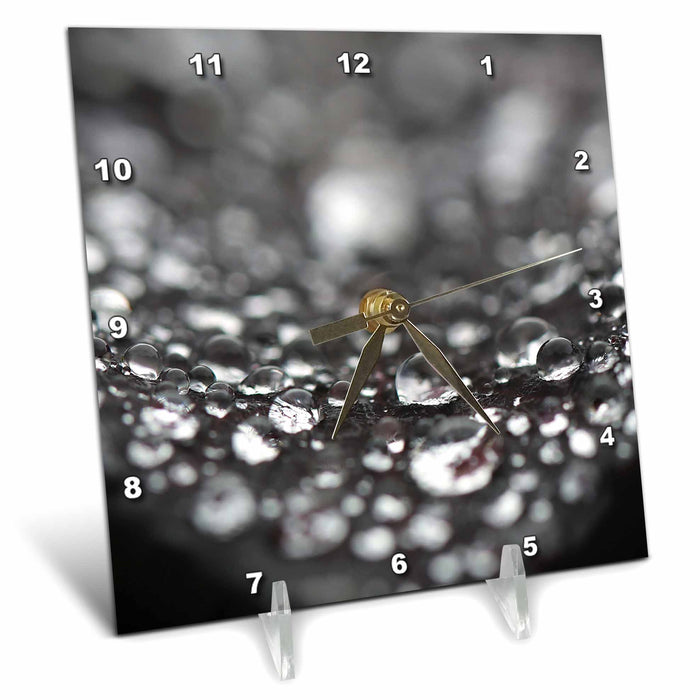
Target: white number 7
{"points": [[255, 576]]}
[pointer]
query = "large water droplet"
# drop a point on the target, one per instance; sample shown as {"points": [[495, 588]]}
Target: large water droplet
{"points": [[518, 343], [265, 380], [338, 392], [558, 359], [227, 357], [143, 360], [417, 382], [294, 410], [177, 378], [457, 456], [218, 399], [224, 507], [200, 379], [253, 441]]}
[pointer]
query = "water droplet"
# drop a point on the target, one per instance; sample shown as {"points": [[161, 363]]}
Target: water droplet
{"points": [[389, 507], [302, 358], [551, 452], [578, 482], [558, 359], [227, 357], [148, 453], [224, 507], [518, 424], [265, 380], [428, 531], [312, 534], [374, 544], [518, 343], [218, 399], [352, 505], [337, 393], [169, 397], [200, 378], [169, 424], [582, 443], [502, 375], [505, 510], [294, 410], [390, 431], [417, 382], [601, 356], [463, 335], [445, 569], [603, 404], [613, 300], [182, 474], [253, 441], [458, 456], [143, 360], [178, 378], [103, 355], [557, 425], [377, 461]]}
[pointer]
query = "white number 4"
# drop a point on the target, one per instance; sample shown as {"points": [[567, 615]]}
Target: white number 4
{"points": [[255, 576], [607, 437], [530, 545]]}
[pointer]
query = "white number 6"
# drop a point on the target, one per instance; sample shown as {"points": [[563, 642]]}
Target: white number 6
{"points": [[398, 563]]}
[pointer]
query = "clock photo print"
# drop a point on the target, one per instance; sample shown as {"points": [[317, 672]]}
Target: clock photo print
{"points": [[358, 313]]}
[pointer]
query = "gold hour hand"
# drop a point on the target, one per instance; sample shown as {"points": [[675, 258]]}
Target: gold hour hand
{"points": [[368, 358], [337, 329], [442, 366]]}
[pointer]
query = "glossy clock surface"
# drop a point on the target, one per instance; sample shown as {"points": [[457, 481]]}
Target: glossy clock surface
{"points": [[241, 189]]}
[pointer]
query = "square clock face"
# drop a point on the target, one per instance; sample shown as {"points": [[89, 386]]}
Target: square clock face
{"points": [[358, 313]]}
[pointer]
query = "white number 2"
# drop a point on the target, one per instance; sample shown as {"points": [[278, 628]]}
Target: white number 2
{"points": [[255, 576], [582, 162], [487, 64], [530, 545]]}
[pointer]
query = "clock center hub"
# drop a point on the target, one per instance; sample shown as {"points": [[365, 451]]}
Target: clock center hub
{"points": [[392, 303]]}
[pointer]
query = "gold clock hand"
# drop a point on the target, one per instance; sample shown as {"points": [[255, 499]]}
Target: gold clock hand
{"points": [[343, 327], [368, 358], [442, 366], [493, 277], [358, 322]]}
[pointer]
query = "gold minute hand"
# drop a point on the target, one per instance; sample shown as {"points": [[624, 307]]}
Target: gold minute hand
{"points": [[442, 366], [493, 277], [358, 322]]}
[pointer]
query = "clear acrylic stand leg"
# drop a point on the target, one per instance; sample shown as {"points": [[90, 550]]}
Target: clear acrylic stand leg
{"points": [[277, 625], [510, 591]]}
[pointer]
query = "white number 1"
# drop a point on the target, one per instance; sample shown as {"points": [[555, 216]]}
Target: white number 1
{"points": [[255, 576], [487, 64]]}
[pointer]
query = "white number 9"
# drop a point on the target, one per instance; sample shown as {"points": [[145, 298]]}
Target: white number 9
{"points": [[118, 327]]}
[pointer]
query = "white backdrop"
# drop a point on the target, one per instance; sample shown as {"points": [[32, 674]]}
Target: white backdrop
{"points": [[626, 629]]}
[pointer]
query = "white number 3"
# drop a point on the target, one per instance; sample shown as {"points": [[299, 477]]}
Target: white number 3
{"points": [[597, 298]]}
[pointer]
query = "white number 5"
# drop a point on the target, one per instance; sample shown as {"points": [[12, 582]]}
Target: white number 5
{"points": [[255, 576], [530, 545]]}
